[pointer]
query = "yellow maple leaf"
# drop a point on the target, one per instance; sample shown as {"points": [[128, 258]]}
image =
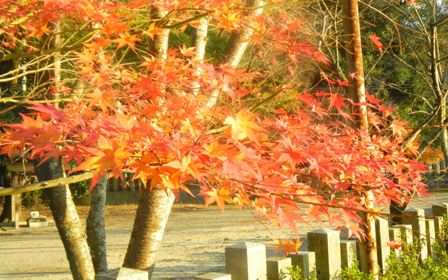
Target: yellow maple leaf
{"points": [[243, 126]]}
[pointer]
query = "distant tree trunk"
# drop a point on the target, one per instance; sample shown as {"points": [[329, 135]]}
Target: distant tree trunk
{"points": [[153, 210], [67, 221], [96, 226]]}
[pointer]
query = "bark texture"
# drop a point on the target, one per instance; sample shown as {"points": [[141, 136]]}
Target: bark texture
{"points": [[67, 221], [154, 206], [200, 42], [238, 43], [352, 30], [96, 226], [239, 40], [153, 210]]}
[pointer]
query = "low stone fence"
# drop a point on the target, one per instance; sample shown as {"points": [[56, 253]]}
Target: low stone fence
{"points": [[329, 250]]}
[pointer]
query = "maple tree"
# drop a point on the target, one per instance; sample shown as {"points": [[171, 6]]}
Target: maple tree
{"points": [[134, 108]]}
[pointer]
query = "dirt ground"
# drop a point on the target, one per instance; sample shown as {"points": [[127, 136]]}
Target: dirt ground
{"points": [[193, 244]]}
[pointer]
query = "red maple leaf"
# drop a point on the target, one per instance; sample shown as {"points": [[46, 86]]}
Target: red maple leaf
{"points": [[377, 42]]}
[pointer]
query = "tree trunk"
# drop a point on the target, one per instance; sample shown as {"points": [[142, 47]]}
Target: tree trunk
{"points": [[239, 40], [153, 210], [200, 42], [67, 221], [96, 226], [154, 206], [238, 43], [352, 30]]}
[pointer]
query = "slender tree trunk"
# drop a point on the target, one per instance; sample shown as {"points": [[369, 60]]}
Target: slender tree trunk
{"points": [[355, 65], [96, 226], [238, 43], [239, 40], [154, 206], [61, 203], [96, 220], [153, 210], [67, 221], [200, 43]]}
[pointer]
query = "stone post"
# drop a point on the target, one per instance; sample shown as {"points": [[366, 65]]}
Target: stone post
{"points": [[277, 268], [436, 174], [382, 242], [326, 244], [306, 261], [363, 257], [430, 236], [438, 224], [406, 235], [348, 253], [395, 236], [16, 202], [442, 166], [437, 168], [246, 261], [416, 217]]}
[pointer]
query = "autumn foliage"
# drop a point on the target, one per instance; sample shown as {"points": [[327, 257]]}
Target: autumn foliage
{"points": [[140, 114]]}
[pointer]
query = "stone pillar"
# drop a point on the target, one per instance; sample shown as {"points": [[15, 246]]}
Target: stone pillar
{"points": [[406, 235], [440, 209], [436, 174], [213, 276], [348, 253], [442, 166], [438, 224], [416, 217], [395, 236], [382, 242], [306, 261], [277, 268], [430, 236], [16, 202], [437, 169], [246, 261], [326, 244], [363, 257]]}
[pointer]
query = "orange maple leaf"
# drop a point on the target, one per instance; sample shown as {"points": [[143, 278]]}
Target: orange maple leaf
{"points": [[377, 42]]}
